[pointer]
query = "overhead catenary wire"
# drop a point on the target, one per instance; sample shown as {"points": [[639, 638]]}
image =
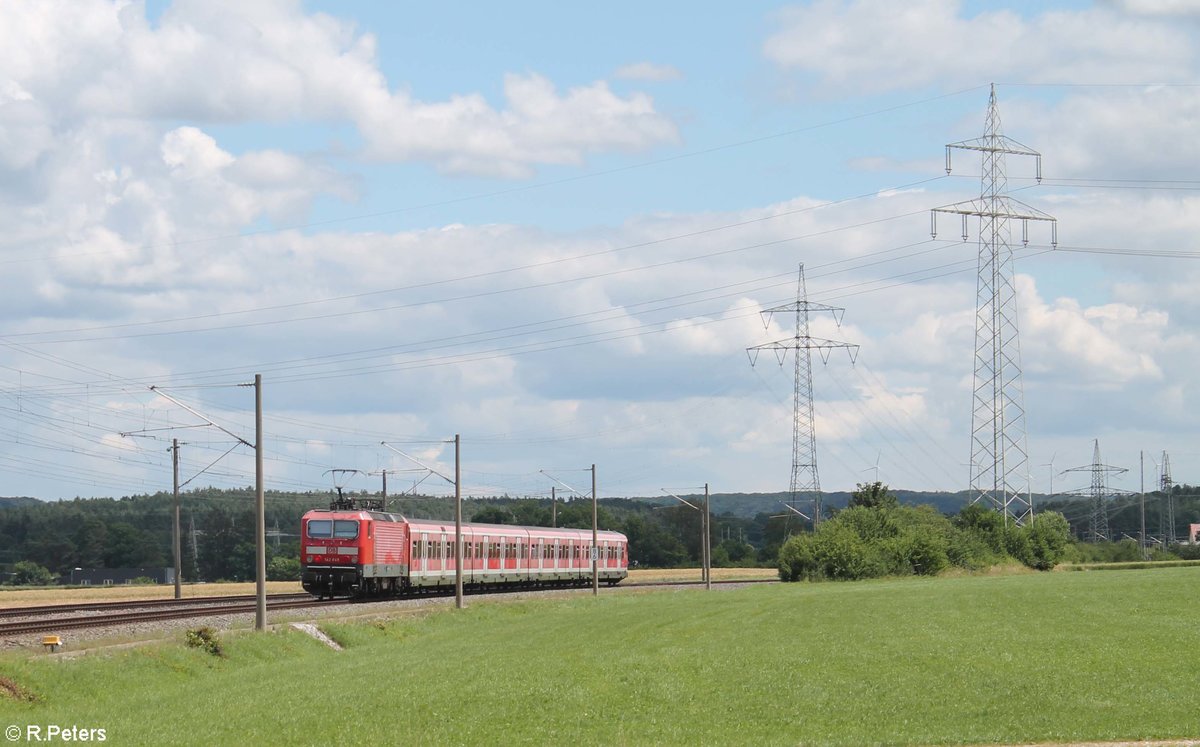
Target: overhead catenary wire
{"points": [[861, 291]]}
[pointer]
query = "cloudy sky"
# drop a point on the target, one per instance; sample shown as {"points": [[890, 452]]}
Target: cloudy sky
{"points": [[551, 228]]}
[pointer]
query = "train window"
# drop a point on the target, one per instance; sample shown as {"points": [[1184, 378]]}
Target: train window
{"points": [[320, 528], [370, 530], [416, 549], [345, 529]]}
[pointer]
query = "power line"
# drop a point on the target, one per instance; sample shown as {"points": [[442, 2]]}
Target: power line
{"points": [[526, 187]]}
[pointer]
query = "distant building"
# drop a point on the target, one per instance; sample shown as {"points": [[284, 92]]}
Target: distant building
{"points": [[117, 576], [1193, 534]]}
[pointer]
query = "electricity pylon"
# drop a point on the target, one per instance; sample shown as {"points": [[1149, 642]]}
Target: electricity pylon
{"points": [[1099, 493], [999, 449], [1167, 515], [805, 484]]}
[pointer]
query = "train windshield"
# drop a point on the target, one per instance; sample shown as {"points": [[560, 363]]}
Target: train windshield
{"points": [[327, 528]]}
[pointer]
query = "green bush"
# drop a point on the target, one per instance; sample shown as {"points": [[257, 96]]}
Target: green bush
{"points": [[870, 524], [840, 553], [1185, 552], [206, 639], [796, 559], [866, 541], [282, 568], [1049, 536], [29, 573], [925, 553]]}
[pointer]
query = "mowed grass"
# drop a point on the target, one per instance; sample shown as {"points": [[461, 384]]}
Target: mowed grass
{"points": [[1059, 657]]}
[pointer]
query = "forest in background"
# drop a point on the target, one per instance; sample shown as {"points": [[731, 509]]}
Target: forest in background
{"points": [[218, 526]]}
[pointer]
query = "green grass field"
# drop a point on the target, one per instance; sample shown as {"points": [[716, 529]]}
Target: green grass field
{"points": [[1056, 657]]}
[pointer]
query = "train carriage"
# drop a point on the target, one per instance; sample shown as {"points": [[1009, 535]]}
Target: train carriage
{"points": [[351, 552]]}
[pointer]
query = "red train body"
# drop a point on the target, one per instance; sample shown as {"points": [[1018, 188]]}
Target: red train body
{"points": [[372, 553]]}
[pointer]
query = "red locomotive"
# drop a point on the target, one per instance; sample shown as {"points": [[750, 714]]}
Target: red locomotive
{"points": [[360, 552]]}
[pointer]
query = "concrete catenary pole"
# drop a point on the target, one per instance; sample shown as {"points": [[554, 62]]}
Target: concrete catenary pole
{"points": [[707, 542], [458, 548], [595, 538], [260, 513], [176, 543]]}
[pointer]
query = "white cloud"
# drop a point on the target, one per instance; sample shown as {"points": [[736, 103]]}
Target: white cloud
{"points": [[274, 62], [648, 71], [193, 154], [539, 126], [1157, 7], [1107, 346], [1089, 134], [128, 194], [877, 45]]}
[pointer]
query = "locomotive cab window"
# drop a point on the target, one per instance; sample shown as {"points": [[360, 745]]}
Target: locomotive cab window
{"points": [[344, 529], [320, 528]]}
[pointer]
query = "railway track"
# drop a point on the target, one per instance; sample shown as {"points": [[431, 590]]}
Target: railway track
{"points": [[54, 609], [241, 606]]}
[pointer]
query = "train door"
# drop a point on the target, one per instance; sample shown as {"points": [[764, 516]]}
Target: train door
{"points": [[423, 552], [468, 557]]}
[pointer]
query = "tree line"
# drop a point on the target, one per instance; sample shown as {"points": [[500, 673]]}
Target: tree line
{"points": [[219, 543]]}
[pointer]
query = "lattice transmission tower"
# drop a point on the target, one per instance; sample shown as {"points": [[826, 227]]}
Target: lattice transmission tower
{"points": [[1167, 514], [999, 450], [805, 485], [1099, 493]]}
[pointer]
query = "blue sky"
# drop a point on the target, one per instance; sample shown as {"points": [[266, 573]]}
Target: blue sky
{"points": [[550, 227]]}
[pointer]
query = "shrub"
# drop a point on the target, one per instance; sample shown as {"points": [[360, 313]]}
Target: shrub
{"points": [[29, 573], [204, 638], [1049, 535], [870, 524], [720, 557], [866, 541], [984, 523], [283, 568], [840, 553], [796, 559], [923, 552], [1186, 552], [1017, 544]]}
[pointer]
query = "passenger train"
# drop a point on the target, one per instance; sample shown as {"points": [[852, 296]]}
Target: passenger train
{"points": [[357, 552]]}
